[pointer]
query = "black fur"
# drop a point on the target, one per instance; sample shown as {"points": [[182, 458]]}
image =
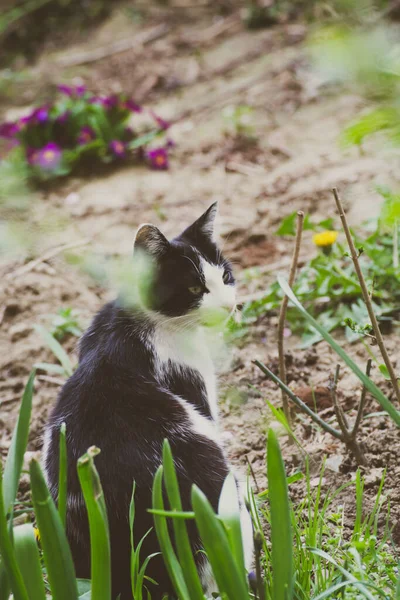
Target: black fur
{"points": [[115, 401]]}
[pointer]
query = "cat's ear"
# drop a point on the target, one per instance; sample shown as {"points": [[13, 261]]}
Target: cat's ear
{"points": [[150, 240], [203, 227]]}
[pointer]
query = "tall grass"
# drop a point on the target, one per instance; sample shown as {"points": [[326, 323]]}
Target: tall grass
{"points": [[305, 555]]}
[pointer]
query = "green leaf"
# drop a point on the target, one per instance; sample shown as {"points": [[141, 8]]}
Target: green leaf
{"points": [[56, 348], [350, 578], [15, 458], [62, 476], [281, 532], [184, 549], [100, 552], [84, 586], [27, 555], [288, 225], [56, 551], [9, 561], [160, 523], [231, 519], [50, 368], [384, 370], [369, 384], [230, 579]]}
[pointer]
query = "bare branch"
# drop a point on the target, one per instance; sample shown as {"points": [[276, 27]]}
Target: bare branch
{"points": [[282, 313], [367, 299], [316, 418], [362, 403]]}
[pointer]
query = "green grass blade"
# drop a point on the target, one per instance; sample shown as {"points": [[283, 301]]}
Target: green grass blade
{"points": [[62, 476], [4, 584], [160, 523], [281, 531], [369, 384], [398, 585], [7, 553], [184, 549], [28, 559], [15, 458], [350, 578], [50, 368], [56, 348], [231, 519], [228, 576], [100, 552], [56, 551]]}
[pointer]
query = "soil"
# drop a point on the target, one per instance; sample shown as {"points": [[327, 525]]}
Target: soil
{"points": [[197, 68]]}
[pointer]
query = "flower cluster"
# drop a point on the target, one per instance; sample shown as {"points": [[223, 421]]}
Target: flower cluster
{"points": [[84, 129]]}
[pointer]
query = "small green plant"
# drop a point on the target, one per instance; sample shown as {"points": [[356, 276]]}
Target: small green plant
{"points": [[239, 120], [65, 366], [82, 130], [66, 322], [327, 285]]}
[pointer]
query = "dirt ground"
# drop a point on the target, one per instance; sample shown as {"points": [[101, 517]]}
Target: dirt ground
{"points": [[197, 66]]}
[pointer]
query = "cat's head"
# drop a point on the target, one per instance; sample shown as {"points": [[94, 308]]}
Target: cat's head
{"points": [[189, 275]]}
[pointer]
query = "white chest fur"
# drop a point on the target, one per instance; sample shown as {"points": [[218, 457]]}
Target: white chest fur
{"points": [[187, 349]]}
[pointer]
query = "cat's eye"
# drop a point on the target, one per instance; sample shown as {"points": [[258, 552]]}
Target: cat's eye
{"points": [[195, 290], [226, 277]]}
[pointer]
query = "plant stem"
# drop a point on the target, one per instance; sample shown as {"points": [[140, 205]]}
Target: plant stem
{"points": [[282, 314], [367, 299], [253, 474], [396, 244], [362, 403], [349, 438], [298, 402]]}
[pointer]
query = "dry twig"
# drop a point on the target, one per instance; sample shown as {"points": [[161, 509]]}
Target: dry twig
{"points": [[136, 42], [282, 313], [367, 299], [345, 435], [349, 437]]}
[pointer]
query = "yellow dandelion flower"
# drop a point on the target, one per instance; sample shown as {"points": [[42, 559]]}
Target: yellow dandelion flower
{"points": [[325, 238], [37, 534]]}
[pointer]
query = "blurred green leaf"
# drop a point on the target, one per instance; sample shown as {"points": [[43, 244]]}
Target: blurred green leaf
{"points": [[184, 550], [56, 551], [100, 550], [19, 441], [281, 532]]}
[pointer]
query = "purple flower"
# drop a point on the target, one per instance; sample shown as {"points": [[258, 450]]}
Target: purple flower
{"points": [[48, 157], [86, 135], [63, 117], [118, 148], [162, 123], [40, 115], [95, 100], [158, 158], [170, 143], [132, 105], [9, 130], [110, 101], [68, 90], [80, 90]]}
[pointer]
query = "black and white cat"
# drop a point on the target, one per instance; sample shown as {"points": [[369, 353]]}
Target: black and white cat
{"points": [[146, 373]]}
